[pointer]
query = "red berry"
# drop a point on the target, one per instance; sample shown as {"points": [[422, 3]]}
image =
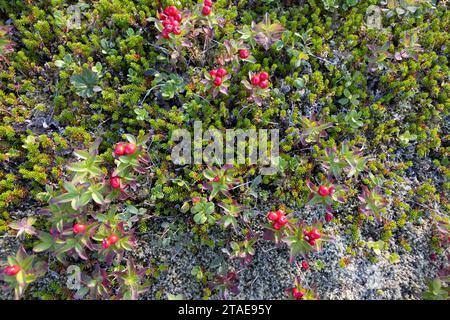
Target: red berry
{"points": [[282, 220], [195, 199], [165, 34], [113, 239], [176, 30], [171, 10], [79, 227], [12, 270], [312, 242], [130, 148], [217, 81], [208, 3], [328, 217], [119, 150], [298, 295], [221, 72], [272, 216], [216, 179], [277, 226], [178, 17], [256, 80], [213, 73], [162, 16], [306, 238], [433, 256], [244, 53], [264, 84], [314, 234], [323, 191], [305, 265], [169, 27], [206, 11], [264, 75], [115, 182], [105, 243]]}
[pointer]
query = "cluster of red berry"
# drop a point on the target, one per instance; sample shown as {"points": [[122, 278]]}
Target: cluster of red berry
{"points": [[122, 148], [12, 270], [218, 74], [244, 53], [170, 19], [261, 80], [278, 218], [112, 239], [207, 7], [297, 294], [311, 236]]}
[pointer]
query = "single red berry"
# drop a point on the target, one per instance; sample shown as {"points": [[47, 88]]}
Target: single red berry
{"points": [[277, 226], [115, 182], [171, 10], [264, 75], [280, 212], [166, 22], [130, 148], [195, 199], [216, 179], [244, 53], [206, 11], [297, 294], [314, 234], [221, 72], [305, 265], [282, 220], [113, 239], [208, 3], [256, 80], [306, 233], [217, 81], [264, 84], [105, 243], [328, 217], [12, 270], [79, 227], [433, 256], [165, 34], [213, 73], [169, 27], [176, 30], [119, 150], [178, 17], [162, 16], [272, 216], [312, 242], [323, 191]]}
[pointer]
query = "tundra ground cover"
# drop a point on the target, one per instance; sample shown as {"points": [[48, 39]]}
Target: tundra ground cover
{"points": [[93, 206]]}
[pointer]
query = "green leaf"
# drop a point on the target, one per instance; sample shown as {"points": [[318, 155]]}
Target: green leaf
{"points": [[85, 83]]}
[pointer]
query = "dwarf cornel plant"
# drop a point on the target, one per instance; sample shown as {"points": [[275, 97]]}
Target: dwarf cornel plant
{"points": [[88, 107]]}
